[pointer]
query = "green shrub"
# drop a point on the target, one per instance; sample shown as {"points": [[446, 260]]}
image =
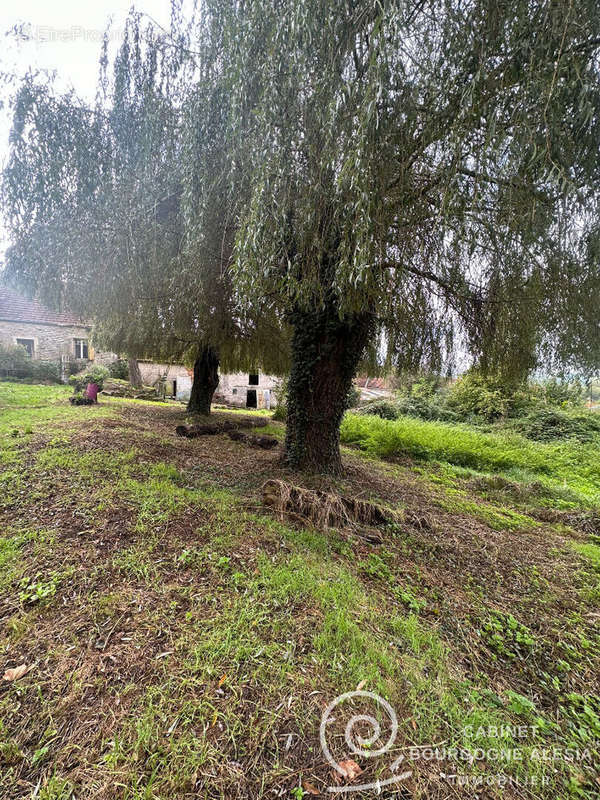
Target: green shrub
{"points": [[478, 398], [14, 357], [549, 424], [432, 407], [95, 375], [119, 369], [281, 392], [353, 397], [491, 397], [419, 385], [15, 363], [423, 397], [381, 408], [46, 371], [481, 396], [562, 394], [79, 399]]}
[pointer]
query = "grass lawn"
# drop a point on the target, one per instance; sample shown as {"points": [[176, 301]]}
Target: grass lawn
{"points": [[182, 642]]}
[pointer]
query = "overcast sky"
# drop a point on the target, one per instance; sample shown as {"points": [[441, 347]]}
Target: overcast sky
{"points": [[63, 36]]}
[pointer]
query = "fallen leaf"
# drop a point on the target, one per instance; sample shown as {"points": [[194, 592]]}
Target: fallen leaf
{"points": [[16, 673], [222, 679], [308, 787], [350, 769], [361, 685]]}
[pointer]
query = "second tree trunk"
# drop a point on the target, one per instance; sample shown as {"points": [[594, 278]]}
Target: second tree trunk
{"points": [[135, 376], [206, 380]]}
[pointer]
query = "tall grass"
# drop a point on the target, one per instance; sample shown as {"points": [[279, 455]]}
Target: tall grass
{"points": [[569, 463]]}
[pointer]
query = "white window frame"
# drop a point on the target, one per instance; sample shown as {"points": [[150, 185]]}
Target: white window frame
{"points": [[28, 339], [78, 343]]}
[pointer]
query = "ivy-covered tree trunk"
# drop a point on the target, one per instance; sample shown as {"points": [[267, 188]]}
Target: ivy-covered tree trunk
{"points": [[206, 380], [325, 354]]}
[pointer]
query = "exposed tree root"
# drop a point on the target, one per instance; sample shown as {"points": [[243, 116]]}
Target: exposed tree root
{"points": [[219, 426], [326, 510], [264, 442]]}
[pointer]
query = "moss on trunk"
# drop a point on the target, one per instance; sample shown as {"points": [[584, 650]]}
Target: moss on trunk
{"points": [[325, 354]]}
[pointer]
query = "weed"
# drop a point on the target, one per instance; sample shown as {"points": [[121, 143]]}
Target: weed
{"points": [[506, 636], [39, 589]]}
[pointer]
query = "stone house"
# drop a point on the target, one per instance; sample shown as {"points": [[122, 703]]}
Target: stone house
{"points": [[242, 389], [248, 390], [46, 335], [177, 378], [63, 337]]}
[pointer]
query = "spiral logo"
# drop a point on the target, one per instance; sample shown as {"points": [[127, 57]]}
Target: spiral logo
{"points": [[361, 732]]}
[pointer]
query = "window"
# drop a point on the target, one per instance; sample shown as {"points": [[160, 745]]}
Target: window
{"points": [[81, 348], [253, 379], [28, 344]]}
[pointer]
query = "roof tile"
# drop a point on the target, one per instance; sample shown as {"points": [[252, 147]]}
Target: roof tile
{"points": [[16, 308]]}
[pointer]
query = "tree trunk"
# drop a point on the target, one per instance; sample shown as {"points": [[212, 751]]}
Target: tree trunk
{"points": [[135, 376], [206, 380], [325, 354]]}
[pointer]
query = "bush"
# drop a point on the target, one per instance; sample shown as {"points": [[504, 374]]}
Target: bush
{"points": [[477, 399], [562, 394], [423, 397], [280, 392], [353, 397], [490, 397], [15, 363], [95, 375], [119, 369], [432, 408], [79, 399], [46, 371], [14, 357], [549, 424], [481, 396], [381, 408]]}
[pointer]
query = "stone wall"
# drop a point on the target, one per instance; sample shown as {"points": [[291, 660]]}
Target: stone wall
{"points": [[50, 341], [104, 358], [152, 372], [233, 389]]}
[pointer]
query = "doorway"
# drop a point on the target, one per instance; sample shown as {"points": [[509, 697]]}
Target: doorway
{"points": [[251, 398]]}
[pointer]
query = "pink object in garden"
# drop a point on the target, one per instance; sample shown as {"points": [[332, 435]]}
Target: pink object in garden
{"points": [[91, 391]]}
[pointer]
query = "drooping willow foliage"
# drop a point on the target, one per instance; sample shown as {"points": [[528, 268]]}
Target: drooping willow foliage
{"points": [[390, 177], [445, 153], [95, 199]]}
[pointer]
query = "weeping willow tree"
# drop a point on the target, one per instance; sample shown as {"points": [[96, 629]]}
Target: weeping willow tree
{"points": [[108, 215], [389, 178], [413, 174]]}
